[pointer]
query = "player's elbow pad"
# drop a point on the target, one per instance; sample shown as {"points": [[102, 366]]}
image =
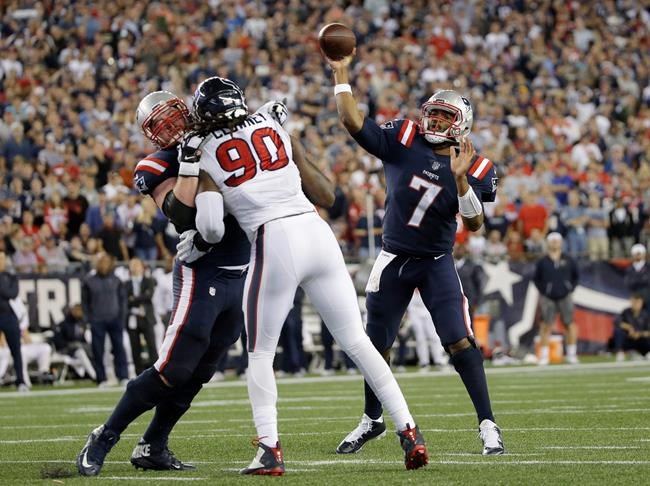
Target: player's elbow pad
{"points": [[209, 216], [179, 213], [469, 204]]}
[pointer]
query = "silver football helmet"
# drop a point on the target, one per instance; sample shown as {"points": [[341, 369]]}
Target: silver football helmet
{"points": [[163, 118], [446, 117]]}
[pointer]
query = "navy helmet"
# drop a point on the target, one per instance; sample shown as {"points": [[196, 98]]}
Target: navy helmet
{"points": [[219, 102]]}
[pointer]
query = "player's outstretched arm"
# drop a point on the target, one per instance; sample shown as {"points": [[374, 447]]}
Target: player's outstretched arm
{"points": [[317, 186], [209, 210], [346, 105], [471, 209]]}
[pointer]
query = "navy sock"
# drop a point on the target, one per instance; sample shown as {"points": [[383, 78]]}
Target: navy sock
{"points": [[142, 393], [469, 365], [373, 406], [169, 412]]}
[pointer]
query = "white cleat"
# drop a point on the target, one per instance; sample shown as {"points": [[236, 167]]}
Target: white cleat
{"points": [[490, 434]]}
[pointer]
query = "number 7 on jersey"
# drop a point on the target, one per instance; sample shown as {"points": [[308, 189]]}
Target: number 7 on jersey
{"points": [[431, 191]]}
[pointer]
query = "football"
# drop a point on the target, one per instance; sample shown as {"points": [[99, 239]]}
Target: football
{"points": [[337, 41]]}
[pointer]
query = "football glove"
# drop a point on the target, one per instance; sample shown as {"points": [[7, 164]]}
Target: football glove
{"points": [[191, 246], [189, 155]]}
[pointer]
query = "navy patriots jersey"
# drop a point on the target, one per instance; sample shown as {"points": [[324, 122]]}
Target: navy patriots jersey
{"points": [[154, 169], [421, 195]]}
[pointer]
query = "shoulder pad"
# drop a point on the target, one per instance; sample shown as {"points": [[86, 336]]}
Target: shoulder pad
{"points": [[276, 109], [154, 169]]}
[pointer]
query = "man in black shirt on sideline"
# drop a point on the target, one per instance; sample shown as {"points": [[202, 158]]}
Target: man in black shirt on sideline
{"points": [[632, 330], [8, 320]]}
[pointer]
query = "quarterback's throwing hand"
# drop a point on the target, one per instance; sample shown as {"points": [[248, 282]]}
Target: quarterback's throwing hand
{"points": [[187, 252], [461, 160], [341, 63]]}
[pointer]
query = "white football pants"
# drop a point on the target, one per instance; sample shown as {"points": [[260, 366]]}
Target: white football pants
{"points": [[302, 251], [427, 342]]}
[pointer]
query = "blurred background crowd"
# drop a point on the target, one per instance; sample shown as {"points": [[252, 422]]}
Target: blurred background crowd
{"points": [[560, 90]]}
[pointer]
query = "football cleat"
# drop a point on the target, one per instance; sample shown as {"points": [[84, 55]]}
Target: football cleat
{"points": [[145, 456], [91, 458], [490, 434], [415, 449], [366, 430], [267, 462]]}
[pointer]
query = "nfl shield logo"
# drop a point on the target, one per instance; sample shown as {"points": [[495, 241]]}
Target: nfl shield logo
{"points": [[435, 165]]}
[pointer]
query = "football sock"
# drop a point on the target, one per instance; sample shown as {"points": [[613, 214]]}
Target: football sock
{"points": [[469, 365], [169, 412], [544, 353], [381, 380], [372, 407], [263, 394], [142, 393], [571, 350]]}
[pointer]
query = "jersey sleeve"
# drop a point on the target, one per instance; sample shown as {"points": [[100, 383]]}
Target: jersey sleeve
{"points": [[154, 169], [482, 176], [378, 139]]}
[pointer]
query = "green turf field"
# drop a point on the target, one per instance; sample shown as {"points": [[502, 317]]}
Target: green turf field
{"points": [[581, 424]]}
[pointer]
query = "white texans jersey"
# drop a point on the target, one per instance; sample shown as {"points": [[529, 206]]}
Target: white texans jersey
{"points": [[253, 167]]}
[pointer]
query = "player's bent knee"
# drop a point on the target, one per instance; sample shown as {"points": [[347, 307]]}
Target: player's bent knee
{"points": [[204, 372], [459, 346], [176, 376], [379, 337]]}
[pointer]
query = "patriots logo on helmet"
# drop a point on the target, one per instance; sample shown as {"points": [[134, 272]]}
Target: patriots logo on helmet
{"points": [[387, 126], [495, 183]]}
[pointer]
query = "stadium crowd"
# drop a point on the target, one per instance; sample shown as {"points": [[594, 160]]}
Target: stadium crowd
{"points": [[560, 91]]}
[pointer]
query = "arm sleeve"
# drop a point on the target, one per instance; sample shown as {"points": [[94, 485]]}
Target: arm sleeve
{"points": [[180, 214], [376, 140], [209, 216]]}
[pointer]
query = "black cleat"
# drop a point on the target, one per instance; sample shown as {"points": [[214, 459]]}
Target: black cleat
{"points": [[146, 457], [415, 449], [366, 430], [91, 458]]}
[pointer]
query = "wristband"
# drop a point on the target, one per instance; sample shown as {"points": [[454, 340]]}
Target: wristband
{"points": [[342, 88], [189, 169], [469, 205]]}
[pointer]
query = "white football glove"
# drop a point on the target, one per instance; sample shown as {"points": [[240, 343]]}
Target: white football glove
{"points": [[186, 250]]}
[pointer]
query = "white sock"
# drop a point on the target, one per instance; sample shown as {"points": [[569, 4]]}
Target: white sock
{"points": [[263, 395], [571, 350], [543, 353], [378, 375]]}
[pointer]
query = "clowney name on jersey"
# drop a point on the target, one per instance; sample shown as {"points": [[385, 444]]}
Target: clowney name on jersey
{"points": [[253, 167]]}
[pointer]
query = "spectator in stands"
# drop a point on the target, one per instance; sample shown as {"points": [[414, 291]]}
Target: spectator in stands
{"points": [[495, 249], [621, 229], [637, 276], [8, 320], [144, 245], [574, 217], [598, 222], [472, 277], [69, 339], [111, 239], [25, 259], [76, 205], [535, 245], [141, 318], [103, 299], [52, 254], [632, 329], [532, 214], [556, 277]]}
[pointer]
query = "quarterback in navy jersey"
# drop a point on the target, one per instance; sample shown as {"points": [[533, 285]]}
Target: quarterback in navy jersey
{"points": [[432, 174], [207, 317]]}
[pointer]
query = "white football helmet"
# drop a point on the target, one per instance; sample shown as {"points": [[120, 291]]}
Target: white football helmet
{"points": [[163, 118], [446, 117]]}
